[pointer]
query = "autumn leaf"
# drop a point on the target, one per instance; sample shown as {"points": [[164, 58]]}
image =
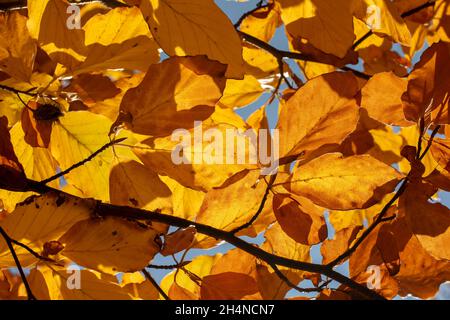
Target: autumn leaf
{"points": [[317, 180], [111, 245], [189, 29], [329, 117], [427, 93], [39, 220], [172, 95], [304, 18], [11, 170]]}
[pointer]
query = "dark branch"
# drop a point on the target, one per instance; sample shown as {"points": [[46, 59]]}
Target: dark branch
{"points": [[259, 5], [17, 91], [419, 8], [106, 209], [170, 266], [9, 242], [149, 277]]}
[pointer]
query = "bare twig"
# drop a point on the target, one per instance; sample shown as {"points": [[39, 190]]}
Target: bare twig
{"points": [[34, 253], [430, 142], [9, 242], [415, 10], [293, 285], [149, 277], [170, 266], [259, 5], [260, 208], [17, 91]]}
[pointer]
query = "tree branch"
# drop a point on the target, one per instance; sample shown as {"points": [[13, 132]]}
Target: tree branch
{"points": [[170, 266], [106, 209], [9, 242], [149, 277], [17, 91]]}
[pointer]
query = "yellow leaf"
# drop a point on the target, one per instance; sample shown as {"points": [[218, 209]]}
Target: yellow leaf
{"points": [[132, 184], [263, 23], [173, 95], [232, 206], [118, 39], [328, 25], [186, 202], [17, 48], [239, 93], [382, 98], [138, 287], [384, 18], [48, 24], [75, 137], [191, 158], [198, 268], [51, 283], [39, 220], [110, 245], [197, 27], [38, 164], [279, 243], [339, 183], [323, 111]]}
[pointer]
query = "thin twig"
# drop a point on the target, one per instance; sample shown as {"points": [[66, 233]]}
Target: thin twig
{"points": [[369, 230], [260, 208], [34, 253], [259, 5], [419, 8], [9, 242], [79, 164], [149, 277], [170, 266], [17, 91], [430, 142], [293, 285]]}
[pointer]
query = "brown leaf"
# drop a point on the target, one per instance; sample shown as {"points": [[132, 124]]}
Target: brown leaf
{"points": [[227, 286], [11, 171], [178, 241], [302, 220]]}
